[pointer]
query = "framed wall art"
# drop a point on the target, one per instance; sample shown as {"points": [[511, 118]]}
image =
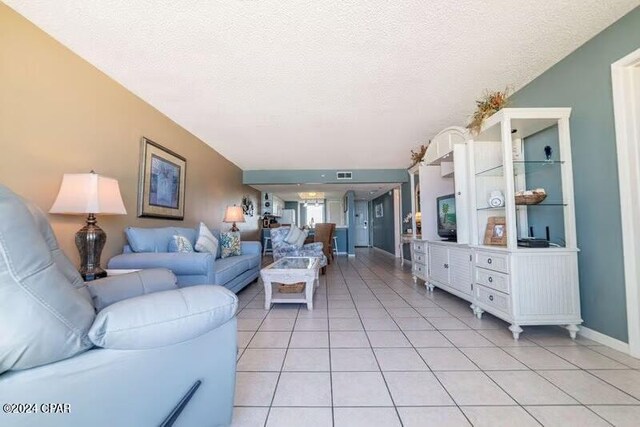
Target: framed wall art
{"points": [[379, 210], [161, 187]]}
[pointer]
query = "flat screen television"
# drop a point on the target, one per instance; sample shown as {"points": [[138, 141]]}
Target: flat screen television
{"points": [[447, 217]]}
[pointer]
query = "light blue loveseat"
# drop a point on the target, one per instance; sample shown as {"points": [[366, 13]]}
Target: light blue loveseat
{"points": [[121, 351], [148, 248]]}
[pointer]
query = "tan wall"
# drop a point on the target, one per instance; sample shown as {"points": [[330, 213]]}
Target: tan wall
{"points": [[59, 114]]}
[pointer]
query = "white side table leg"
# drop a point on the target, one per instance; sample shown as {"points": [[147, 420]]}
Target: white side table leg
{"points": [[267, 295], [308, 289]]}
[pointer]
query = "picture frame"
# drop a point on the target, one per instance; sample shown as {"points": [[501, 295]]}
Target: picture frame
{"points": [[496, 231], [379, 210], [162, 179]]}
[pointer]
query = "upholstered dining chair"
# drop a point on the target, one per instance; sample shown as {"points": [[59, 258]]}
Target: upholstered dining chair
{"points": [[324, 235]]}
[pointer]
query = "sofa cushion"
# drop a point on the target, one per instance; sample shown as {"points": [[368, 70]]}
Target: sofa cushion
{"points": [[44, 317], [156, 239], [206, 241], [64, 264], [112, 289], [227, 269], [163, 318], [230, 244], [181, 244]]}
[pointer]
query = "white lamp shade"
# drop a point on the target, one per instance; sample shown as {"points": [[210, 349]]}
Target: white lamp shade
{"points": [[234, 214], [84, 193]]}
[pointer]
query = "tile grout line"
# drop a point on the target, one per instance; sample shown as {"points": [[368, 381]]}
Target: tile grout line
{"points": [[417, 352], [372, 351]]}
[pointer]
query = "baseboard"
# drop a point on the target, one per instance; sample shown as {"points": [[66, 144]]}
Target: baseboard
{"points": [[604, 339]]}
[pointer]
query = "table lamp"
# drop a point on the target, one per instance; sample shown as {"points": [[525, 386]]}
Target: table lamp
{"points": [[232, 215], [91, 194], [418, 222]]}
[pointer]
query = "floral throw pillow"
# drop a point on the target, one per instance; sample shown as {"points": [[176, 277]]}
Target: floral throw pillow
{"points": [[180, 244], [230, 244]]}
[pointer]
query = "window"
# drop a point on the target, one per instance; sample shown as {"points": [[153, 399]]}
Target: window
{"points": [[311, 213]]}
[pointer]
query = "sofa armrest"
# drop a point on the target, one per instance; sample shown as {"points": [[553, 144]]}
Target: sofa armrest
{"points": [[248, 248], [315, 246], [193, 263], [112, 289], [163, 318]]}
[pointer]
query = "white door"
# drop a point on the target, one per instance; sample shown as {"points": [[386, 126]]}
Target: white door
{"points": [[362, 223], [625, 75]]}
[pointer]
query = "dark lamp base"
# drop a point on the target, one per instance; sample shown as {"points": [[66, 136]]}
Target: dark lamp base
{"points": [[90, 241]]}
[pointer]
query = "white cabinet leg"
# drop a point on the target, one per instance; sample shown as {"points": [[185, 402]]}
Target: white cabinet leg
{"points": [[573, 331], [430, 287], [415, 279], [516, 331], [478, 311]]}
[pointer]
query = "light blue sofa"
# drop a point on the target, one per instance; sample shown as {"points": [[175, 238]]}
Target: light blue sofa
{"points": [[147, 248], [128, 350]]}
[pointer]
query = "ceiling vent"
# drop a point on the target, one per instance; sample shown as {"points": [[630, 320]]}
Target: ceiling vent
{"points": [[344, 175]]}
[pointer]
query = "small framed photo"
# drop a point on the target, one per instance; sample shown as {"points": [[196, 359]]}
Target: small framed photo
{"points": [[161, 186], [496, 231]]}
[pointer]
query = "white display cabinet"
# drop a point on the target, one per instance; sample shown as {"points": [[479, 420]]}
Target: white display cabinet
{"points": [[517, 150]]}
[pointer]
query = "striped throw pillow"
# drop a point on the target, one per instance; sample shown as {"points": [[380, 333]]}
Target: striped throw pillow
{"points": [[206, 241]]}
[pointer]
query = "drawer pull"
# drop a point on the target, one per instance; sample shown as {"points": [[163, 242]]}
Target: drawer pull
{"points": [[489, 261], [446, 266], [490, 297], [490, 279]]}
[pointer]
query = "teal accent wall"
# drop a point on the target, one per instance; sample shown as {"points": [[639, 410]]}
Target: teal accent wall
{"points": [[383, 227], [582, 81], [312, 176]]}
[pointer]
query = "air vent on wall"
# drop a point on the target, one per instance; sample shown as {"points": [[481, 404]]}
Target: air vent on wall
{"points": [[344, 175]]}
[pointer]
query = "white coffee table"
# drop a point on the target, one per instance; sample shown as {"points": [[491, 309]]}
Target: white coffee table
{"points": [[290, 270]]}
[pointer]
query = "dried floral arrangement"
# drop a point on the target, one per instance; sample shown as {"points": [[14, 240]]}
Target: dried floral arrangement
{"points": [[416, 156], [489, 104]]}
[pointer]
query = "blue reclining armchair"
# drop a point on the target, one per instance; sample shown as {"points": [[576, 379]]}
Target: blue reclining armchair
{"points": [[127, 350]]}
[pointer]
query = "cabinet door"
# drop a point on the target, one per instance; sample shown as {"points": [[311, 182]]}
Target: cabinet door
{"points": [[439, 264], [460, 270]]}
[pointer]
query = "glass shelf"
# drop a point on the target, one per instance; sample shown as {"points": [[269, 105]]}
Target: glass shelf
{"points": [[543, 204], [522, 167]]}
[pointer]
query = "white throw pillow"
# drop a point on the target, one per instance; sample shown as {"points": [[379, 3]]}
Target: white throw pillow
{"points": [[206, 242], [296, 236]]}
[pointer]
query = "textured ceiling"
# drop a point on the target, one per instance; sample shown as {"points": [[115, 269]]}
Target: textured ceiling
{"points": [[320, 83]]}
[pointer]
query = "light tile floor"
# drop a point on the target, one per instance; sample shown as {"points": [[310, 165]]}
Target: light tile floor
{"points": [[378, 350]]}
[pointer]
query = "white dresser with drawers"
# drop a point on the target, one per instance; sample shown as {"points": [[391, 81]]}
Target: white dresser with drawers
{"points": [[522, 287], [528, 287]]}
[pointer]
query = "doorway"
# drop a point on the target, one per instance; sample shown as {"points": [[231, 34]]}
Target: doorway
{"points": [[625, 76], [362, 223]]}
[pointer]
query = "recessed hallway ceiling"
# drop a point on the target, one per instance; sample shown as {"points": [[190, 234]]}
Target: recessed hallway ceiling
{"points": [[280, 84]]}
